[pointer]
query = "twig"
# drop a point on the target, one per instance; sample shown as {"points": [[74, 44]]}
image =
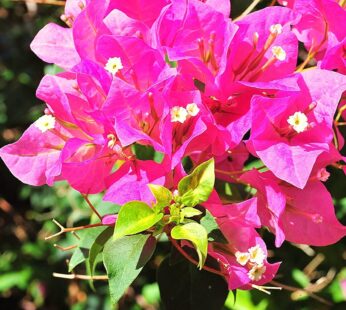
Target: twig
{"points": [[305, 248], [248, 10], [265, 289], [229, 172], [314, 263], [193, 261], [313, 52], [296, 289], [78, 276], [91, 206], [51, 2], [272, 3], [310, 56], [65, 249], [338, 116], [72, 229]]}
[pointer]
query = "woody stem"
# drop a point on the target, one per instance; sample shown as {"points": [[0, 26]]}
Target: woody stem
{"points": [[193, 261], [91, 206]]}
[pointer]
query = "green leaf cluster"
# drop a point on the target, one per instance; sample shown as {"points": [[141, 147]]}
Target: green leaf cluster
{"points": [[127, 247]]}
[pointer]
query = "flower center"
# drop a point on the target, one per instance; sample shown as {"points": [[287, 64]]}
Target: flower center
{"points": [[298, 121], [279, 53], [45, 123], [181, 114], [113, 65]]}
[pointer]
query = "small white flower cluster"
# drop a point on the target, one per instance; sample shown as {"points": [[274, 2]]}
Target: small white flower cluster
{"points": [[45, 123], [279, 53], [180, 114], [298, 121], [113, 65], [256, 257], [112, 140], [276, 29]]}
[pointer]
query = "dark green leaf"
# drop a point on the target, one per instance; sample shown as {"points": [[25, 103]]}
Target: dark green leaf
{"points": [[199, 85], [97, 247], [146, 152], [76, 259], [87, 238], [124, 259], [212, 228], [183, 286]]}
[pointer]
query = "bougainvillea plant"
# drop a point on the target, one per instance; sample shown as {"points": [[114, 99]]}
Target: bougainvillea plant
{"points": [[160, 106]]}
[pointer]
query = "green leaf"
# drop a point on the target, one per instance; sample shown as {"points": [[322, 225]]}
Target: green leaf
{"points": [[300, 277], [52, 69], [246, 301], [135, 217], [124, 259], [195, 233], [97, 247], [87, 238], [18, 278], [182, 286], [199, 85], [76, 259], [189, 212], [162, 195], [197, 187], [151, 293], [147, 152], [172, 64], [212, 228]]}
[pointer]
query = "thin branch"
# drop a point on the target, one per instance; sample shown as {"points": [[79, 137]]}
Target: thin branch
{"points": [[296, 289], [310, 56], [338, 116], [272, 3], [65, 249], [91, 206], [313, 51], [72, 229], [49, 2], [314, 263], [248, 10], [265, 289], [193, 261], [79, 276], [230, 173]]}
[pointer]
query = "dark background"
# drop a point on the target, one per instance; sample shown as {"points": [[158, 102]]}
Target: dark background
{"points": [[27, 261]]}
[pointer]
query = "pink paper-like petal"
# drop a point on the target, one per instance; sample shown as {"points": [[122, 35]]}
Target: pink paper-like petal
{"points": [[34, 157], [54, 44]]}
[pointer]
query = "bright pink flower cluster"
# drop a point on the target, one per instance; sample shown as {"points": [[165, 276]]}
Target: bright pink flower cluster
{"points": [[181, 77]]}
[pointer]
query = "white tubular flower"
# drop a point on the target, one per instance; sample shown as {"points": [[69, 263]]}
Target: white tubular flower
{"points": [[45, 123], [276, 29], [178, 114], [256, 272], [257, 255], [298, 121], [192, 109], [242, 257], [113, 65], [111, 140], [279, 53]]}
